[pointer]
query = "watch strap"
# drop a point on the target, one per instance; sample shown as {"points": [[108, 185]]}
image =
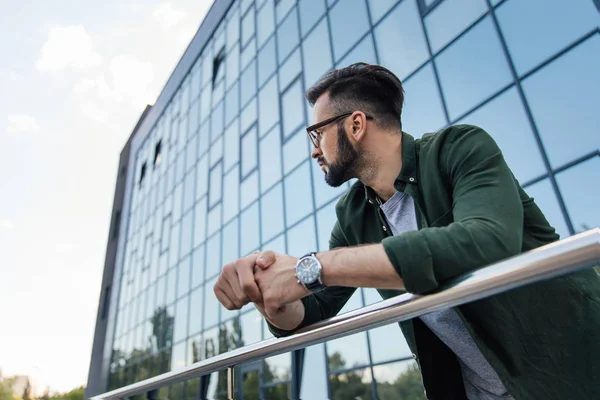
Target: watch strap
{"points": [[317, 285]]}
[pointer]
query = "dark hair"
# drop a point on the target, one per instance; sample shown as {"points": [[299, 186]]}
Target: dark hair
{"points": [[372, 89]]}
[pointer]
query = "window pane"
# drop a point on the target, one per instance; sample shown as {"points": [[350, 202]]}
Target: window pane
{"points": [[196, 310], [248, 115], [349, 22], [211, 314], [248, 82], [580, 189], [204, 138], [397, 379], [292, 102], [181, 319], [513, 134], [564, 97], [271, 205], [202, 177], [287, 35], [347, 352], [535, 30], [186, 233], [277, 245], [268, 102], [290, 69], [178, 356], [301, 238], [230, 242], [266, 61], [357, 383], [379, 8], [190, 150], [249, 190], [317, 58], [183, 283], [298, 199], [200, 222], [198, 266], [249, 151], [422, 111], [362, 52], [279, 367], [232, 103], [213, 256], [326, 219], [205, 102], [270, 159], [450, 18], [467, 83], [296, 150], [282, 7], [233, 65], [171, 285], [544, 196], [248, 54], [314, 375], [266, 22], [232, 146], [233, 28], [174, 246], [310, 12], [250, 238], [216, 176], [231, 194], [189, 197], [381, 338], [324, 192], [248, 26], [251, 323], [214, 220], [216, 120]]}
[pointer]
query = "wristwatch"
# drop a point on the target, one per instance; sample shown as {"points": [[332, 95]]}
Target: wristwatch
{"points": [[308, 272]]}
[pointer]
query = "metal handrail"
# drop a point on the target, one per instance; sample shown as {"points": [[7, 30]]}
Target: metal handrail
{"points": [[566, 256]]}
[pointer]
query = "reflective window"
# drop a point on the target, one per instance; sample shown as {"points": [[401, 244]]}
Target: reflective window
{"points": [[232, 146], [296, 150], [165, 236], [248, 54], [216, 120], [233, 28], [422, 111], [287, 35], [266, 22], [279, 368], [564, 97], [174, 246], [249, 190], [197, 266], [535, 30], [211, 307], [362, 52], [178, 356], [270, 159], [248, 26], [271, 205], [245, 4], [202, 177], [194, 121], [248, 116], [213, 256], [349, 22], [200, 222], [186, 233], [326, 219], [298, 194], [467, 83], [180, 166], [231, 194], [277, 245], [188, 191], [314, 375], [545, 197], [248, 81], [183, 283], [310, 12], [171, 286], [268, 101], [396, 379], [249, 238], [380, 343], [580, 188], [324, 192], [205, 102], [267, 64], [251, 324], [357, 382], [233, 65], [232, 104], [230, 242], [160, 291], [249, 151], [214, 219], [282, 7], [216, 174], [347, 352], [191, 153], [290, 69], [504, 118], [196, 310], [379, 8], [301, 238], [181, 319], [292, 102], [204, 138], [450, 18], [316, 52]]}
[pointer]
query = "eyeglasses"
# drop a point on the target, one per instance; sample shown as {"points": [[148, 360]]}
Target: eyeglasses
{"points": [[313, 131]]}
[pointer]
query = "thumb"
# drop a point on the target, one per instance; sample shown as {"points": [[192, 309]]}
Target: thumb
{"points": [[266, 259]]}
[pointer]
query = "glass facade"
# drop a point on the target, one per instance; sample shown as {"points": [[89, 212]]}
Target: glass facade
{"points": [[232, 173]]}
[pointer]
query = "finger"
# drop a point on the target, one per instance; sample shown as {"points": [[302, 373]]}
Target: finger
{"points": [[266, 259], [223, 297], [231, 287], [247, 283]]}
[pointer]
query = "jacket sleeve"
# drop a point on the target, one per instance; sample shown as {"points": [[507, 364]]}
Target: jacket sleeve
{"points": [[326, 303], [487, 216]]}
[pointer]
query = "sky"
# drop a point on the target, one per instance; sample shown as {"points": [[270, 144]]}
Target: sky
{"points": [[75, 76]]}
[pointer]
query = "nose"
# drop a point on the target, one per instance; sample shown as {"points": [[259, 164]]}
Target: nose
{"points": [[316, 152]]}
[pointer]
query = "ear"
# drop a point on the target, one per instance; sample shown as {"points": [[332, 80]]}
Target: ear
{"points": [[357, 126]]}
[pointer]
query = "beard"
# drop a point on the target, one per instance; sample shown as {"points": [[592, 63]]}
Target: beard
{"points": [[347, 163]]}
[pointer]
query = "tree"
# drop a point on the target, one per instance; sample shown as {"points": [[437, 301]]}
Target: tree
{"points": [[6, 392], [75, 394], [27, 391]]}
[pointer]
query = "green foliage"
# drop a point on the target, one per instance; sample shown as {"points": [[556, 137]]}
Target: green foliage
{"points": [[75, 394], [407, 386], [6, 392]]}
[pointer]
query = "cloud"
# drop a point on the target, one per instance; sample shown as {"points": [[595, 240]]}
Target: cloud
{"points": [[167, 15], [6, 224], [131, 78], [21, 123], [94, 112], [68, 46]]}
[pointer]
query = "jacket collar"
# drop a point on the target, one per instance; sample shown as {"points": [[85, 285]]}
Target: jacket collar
{"points": [[408, 172]]}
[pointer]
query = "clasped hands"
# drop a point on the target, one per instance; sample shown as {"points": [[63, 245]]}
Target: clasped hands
{"points": [[266, 279]]}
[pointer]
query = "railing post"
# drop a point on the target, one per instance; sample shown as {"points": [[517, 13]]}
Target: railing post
{"points": [[230, 383], [152, 395]]}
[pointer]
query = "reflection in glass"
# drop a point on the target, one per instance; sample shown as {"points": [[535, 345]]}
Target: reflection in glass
{"points": [[266, 22], [423, 111], [387, 343], [211, 312], [271, 204], [278, 368], [350, 385], [349, 22], [249, 151], [249, 230], [268, 101], [535, 30], [580, 187], [213, 255], [251, 325], [270, 159], [196, 310], [287, 35], [231, 194], [230, 242], [200, 222], [310, 12], [513, 134], [298, 199], [465, 84], [571, 106], [400, 40], [400, 380], [317, 53], [180, 330], [301, 238], [544, 196]]}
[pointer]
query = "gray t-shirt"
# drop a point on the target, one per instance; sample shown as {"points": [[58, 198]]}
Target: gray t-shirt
{"points": [[480, 380]]}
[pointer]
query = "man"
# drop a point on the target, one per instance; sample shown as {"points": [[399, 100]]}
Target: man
{"points": [[423, 212]]}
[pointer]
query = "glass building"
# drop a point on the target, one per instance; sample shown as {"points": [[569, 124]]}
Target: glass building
{"points": [[219, 167]]}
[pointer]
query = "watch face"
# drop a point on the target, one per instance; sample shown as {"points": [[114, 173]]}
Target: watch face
{"points": [[308, 270]]}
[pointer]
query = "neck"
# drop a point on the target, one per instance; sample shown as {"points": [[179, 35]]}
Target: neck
{"points": [[383, 165]]}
